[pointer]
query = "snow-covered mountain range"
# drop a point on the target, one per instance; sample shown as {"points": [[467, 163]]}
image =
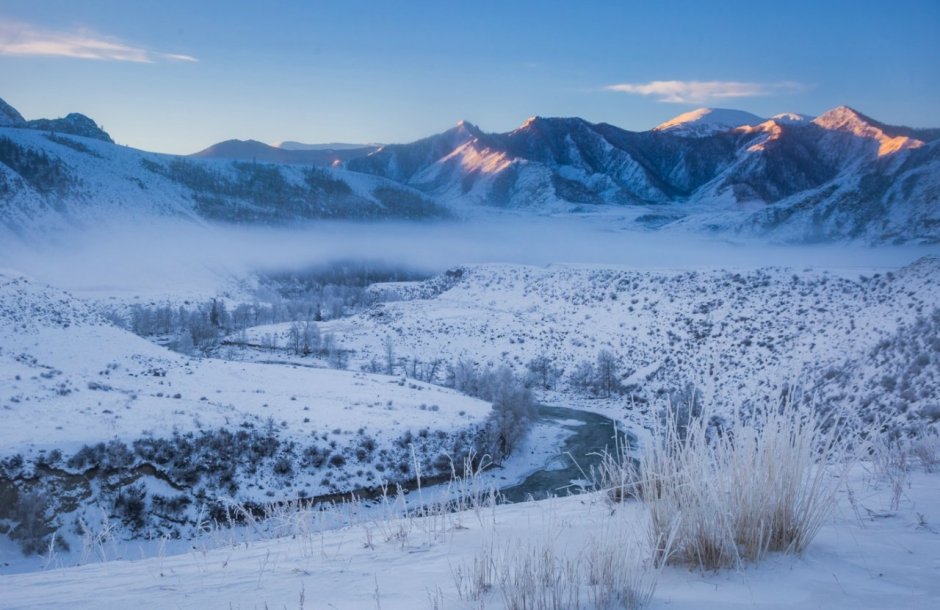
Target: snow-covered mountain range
{"points": [[841, 175]]}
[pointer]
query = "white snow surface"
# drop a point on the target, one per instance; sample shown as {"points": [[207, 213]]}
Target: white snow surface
{"points": [[791, 117], [68, 379], [865, 557], [738, 336]]}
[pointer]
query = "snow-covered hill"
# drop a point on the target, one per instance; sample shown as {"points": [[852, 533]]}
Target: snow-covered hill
{"points": [[294, 145], [252, 150], [866, 343], [52, 179], [91, 413]]}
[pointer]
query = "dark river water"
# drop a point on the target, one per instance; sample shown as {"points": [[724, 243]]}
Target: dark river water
{"points": [[569, 469]]}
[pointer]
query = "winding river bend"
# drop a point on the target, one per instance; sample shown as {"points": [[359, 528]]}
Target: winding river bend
{"points": [[567, 470]]}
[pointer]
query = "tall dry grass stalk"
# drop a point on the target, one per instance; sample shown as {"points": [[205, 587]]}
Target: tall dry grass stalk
{"points": [[734, 490]]}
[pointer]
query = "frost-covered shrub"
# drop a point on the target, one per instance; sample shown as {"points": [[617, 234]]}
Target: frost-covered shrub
{"points": [[283, 466], [684, 406], [170, 506], [931, 413], [765, 483]]}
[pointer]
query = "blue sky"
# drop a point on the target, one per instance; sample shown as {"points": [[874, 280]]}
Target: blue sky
{"points": [[176, 76]]}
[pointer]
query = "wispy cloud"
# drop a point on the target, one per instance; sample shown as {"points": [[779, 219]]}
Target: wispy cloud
{"points": [[699, 92], [29, 40]]}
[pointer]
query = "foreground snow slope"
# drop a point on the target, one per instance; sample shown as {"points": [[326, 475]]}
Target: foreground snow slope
{"points": [[864, 557]]}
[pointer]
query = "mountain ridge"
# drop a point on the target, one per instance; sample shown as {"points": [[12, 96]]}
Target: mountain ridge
{"points": [[74, 123], [839, 176], [253, 150], [706, 121]]}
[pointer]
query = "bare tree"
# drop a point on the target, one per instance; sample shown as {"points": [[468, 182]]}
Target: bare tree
{"points": [[608, 369], [543, 373], [389, 346]]}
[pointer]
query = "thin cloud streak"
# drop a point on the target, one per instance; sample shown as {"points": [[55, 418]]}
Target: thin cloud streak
{"points": [[699, 92], [23, 39]]}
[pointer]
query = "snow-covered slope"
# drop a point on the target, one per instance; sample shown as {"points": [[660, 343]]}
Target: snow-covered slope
{"points": [[294, 145], [85, 405], [52, 179], [864, 558], [739, 337], [252, 150]]}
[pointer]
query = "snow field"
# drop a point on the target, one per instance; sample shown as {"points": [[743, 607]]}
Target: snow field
{"points": [[864, 556]]}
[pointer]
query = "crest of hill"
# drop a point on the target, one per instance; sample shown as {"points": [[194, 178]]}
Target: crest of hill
{"points": [[9, 116], [26, 305], [292, 145], [74, 123], [253, 150]]}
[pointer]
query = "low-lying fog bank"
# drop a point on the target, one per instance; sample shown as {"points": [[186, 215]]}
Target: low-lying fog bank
{"points": [[185, 258]]}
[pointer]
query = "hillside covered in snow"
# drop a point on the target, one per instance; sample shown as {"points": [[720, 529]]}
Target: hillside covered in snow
{"points": [[62, 175], [98, 419], [869, 343]]}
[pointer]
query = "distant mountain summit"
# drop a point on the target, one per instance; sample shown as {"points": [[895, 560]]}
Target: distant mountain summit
{"points": [[253, 150], [890, 139], [10, 117], [791, 117], [292, 145], [706, 121]]}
